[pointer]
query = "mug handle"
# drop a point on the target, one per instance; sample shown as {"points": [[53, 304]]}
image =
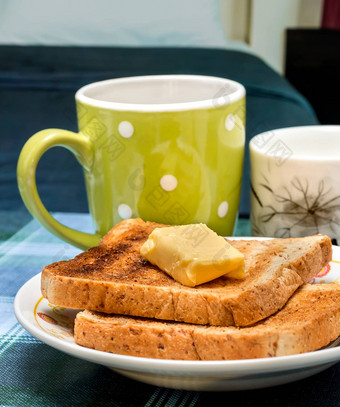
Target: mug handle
{"points": [[30, 155]]}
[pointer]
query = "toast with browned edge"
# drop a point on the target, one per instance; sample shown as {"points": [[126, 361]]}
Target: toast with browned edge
{"points": [[309, 321], [114, 278]]}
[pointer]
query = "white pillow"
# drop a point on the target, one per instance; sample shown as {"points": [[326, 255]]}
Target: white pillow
{"points": [[112, 22]]}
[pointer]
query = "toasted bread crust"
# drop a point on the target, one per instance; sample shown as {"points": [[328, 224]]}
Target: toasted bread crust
{"points": [[114, 278], [309, 321]]}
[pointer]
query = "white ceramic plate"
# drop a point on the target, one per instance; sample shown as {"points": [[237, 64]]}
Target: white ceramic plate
{"points": [[54, 325]]}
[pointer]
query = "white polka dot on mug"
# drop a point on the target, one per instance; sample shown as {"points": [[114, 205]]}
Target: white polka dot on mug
{"points": [[124, 211], [223, 209], [168, 182], [125, 129], [230, 122]]}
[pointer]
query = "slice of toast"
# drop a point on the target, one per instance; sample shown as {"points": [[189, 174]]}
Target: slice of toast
{"points": [[114, 278], [309, 321]]}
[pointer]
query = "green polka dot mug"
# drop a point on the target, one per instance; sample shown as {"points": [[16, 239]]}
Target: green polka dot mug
{"points": [[165, 148]]}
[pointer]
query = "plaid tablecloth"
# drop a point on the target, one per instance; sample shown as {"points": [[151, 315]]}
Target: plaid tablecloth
{"points": [[34, 374]]}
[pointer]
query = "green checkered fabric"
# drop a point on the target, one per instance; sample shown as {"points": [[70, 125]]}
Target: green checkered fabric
{"points": [[34, 374]]}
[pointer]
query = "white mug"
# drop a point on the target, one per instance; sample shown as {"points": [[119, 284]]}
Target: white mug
{"points": [[295, 182]]}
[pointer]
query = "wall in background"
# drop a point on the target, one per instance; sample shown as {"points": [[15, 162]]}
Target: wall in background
{"points": [[235, 16], [258, 24], [271, 18]]}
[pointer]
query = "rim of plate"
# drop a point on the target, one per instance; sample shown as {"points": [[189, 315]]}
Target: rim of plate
{"points": [[197, 368]]}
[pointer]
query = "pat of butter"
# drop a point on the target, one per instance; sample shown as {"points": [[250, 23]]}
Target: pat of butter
{"points": [[192, 254]]}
